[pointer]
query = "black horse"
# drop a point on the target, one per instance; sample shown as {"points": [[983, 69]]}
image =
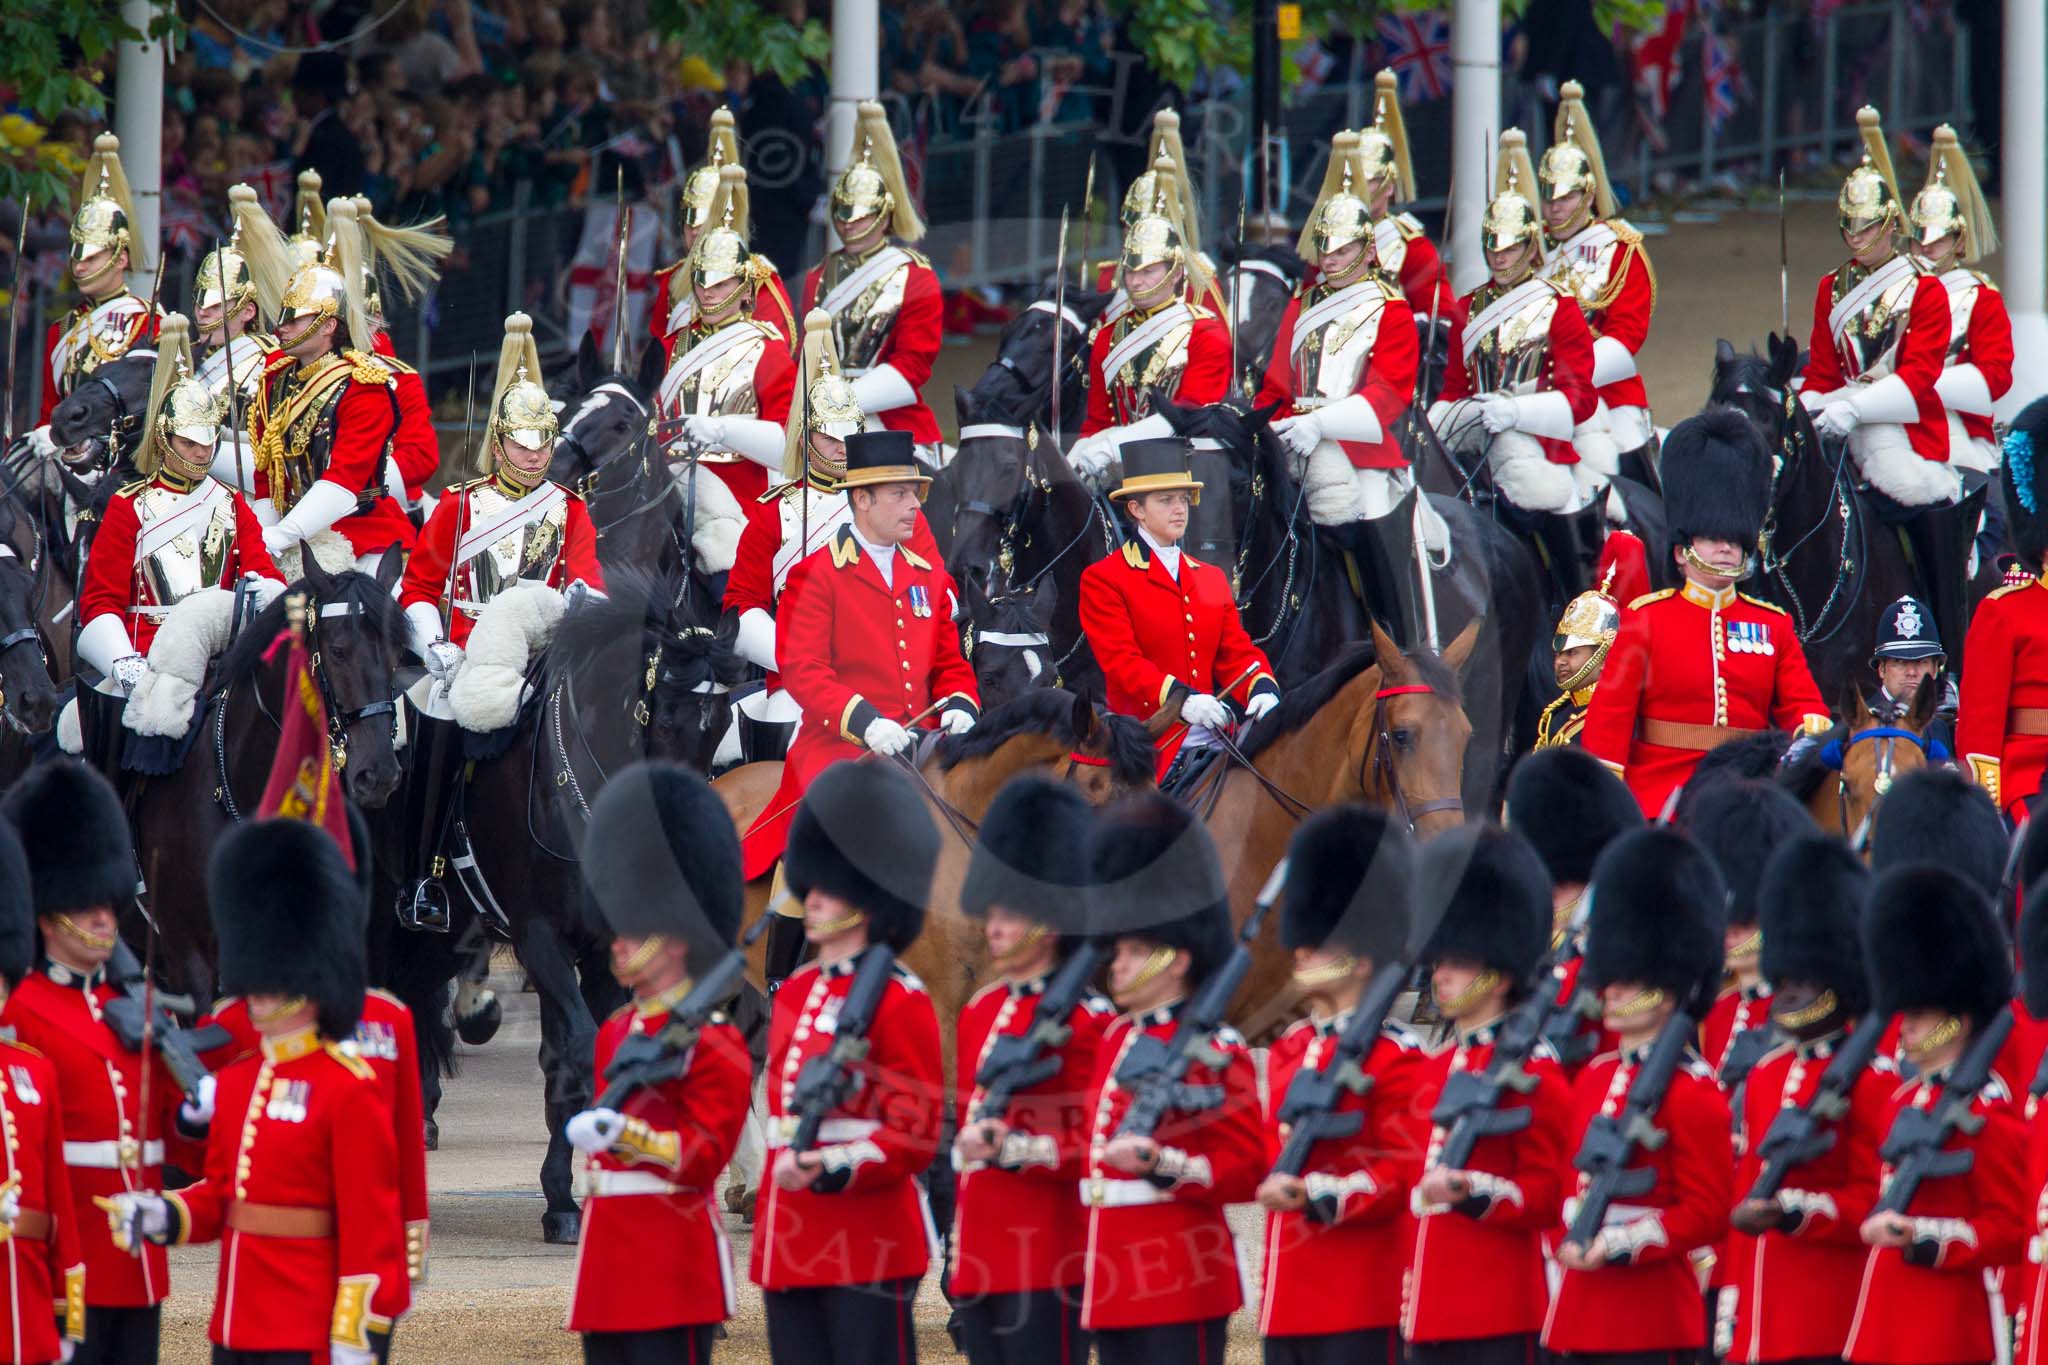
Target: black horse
{"points": [[1257, 281], [1306, 592], [1826, 557], [29, 700]]}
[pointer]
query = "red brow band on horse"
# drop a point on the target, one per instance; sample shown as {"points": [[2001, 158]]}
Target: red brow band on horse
{"points": [[1385, 692], [1088, 761]]}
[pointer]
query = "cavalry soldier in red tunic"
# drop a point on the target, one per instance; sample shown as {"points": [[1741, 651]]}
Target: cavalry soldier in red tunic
{"points": [[45, 1266], [661, 869], [843, 1235], [1599, 259], [1939, 959], [83, 865], [675, 308], [1653, 947], [1399, 240], [1952, 229], [1166, 164], [327, 413], [727, 394], [1486, 1222], [1019, 1243], [1694, 667], [301, 1178], [411, 257], [1162, 623], [1162, 343], [512, 526], [1343, 1220], [1518, 385], [111, 321], [2002, 719], [1162, 1278], [230, 345], [1571, 808], [1343, 366], [1803, 1256], [868, 648], [162, 538], [882, 294]]}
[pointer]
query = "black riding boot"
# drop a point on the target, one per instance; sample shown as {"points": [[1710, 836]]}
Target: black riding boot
{"points": [[429, 802], [1560, 540], [783, 949], [1378, 568], [101, 731], [1940, 539], [1640, 465]]}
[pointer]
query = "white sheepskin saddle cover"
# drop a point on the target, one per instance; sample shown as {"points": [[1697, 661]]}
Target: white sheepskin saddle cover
{"points": [[515, 626], [719, 519], [191, 635], [331, 551]]}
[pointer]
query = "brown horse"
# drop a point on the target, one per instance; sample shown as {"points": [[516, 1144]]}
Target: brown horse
{"points": [[1377, 726], [1863, 757]]}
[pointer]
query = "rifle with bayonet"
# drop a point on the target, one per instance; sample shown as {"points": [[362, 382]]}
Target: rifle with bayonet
{"points": [[1613, 1141], [827, 1081], [1470, 1107], [645, 1060], [1154, 1070], [1018, 1061], [1310, 1109], [1913, 1149], [1806, 1132]]}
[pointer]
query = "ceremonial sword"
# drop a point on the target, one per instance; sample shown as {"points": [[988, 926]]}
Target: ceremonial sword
{"points": [[14, 318]]}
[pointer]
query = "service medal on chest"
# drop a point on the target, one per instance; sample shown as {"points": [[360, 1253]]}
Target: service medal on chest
{"points": [[1750, 637]]}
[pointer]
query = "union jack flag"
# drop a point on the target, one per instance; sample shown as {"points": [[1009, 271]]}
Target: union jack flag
{"points": [[1722, 71], [1417, 49], [1654, 57]]}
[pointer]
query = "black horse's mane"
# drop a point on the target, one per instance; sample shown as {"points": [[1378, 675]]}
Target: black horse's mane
{"points": [[637, 600], [1272, 253], [372, 601], [1050, 711]]}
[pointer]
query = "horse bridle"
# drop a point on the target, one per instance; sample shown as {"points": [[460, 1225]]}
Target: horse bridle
{"points": [[1886, 737], [340, 720], [1386, 769], [1788, 444], [639, 452]]}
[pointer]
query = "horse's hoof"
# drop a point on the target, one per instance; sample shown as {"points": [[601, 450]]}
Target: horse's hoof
{"points": [[562, 1228], [480, 1026], [747, 1208], [738, 1197], [432, 1136]]}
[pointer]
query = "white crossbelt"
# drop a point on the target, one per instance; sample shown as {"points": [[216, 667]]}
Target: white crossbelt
{"points": [[600, 1181], [847, 290], [1499, 311], [106, 1155], [1118, 1194], [831, 1131]]}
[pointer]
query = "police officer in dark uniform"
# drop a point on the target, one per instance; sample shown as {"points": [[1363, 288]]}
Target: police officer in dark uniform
{"points": [[1909, 650]]}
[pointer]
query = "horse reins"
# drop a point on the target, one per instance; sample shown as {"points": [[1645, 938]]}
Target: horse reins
{"points": [[1886, 737]]}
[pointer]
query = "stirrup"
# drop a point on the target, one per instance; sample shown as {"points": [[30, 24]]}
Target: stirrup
{"points": [[423, 906]]}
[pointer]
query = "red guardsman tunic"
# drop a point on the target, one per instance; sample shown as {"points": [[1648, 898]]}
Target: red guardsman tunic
{"points": [[877, 1227], [1359, 1187], [416, 448], [1188, 352], [117, 577], [335, 421], [1387, 378], [654, 1253], [670, 317], [2002, 723], [853, 647], [1159, 1248], [1691, 669], [1915, 1314], [550, 528], [912, 334], [1837, 349], [1797, 1293], [110, 1146], [1521, 1184], [301, 1188], [43, 1268], [1017, 1225], [1650, 1301], [1567, 366], [1153, 632], [89, 336]]}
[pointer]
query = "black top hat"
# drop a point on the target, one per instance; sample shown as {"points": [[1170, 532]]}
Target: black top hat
{"points": [[1158, 464], [874, 457]]}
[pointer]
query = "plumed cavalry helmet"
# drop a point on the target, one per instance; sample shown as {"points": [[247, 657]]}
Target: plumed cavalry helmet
{"points": [[179, 405], [1592, 618], [1383, 147], [721, 253], [308, 232], [1340, 216], [1156, 234], [1951, 203], [105, 219], [825, 402], [410, 255], [702, 185], [521, 410], [1871, 193], [874, 183], [1143, 192], [1574, 163], [1512, 218], [333, 286], [223, 279]]}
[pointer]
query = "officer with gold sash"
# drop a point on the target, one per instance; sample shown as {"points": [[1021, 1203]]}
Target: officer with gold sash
{"points": [[1162, 343], [1881, 334], [1519, 381], [512, 526], [327, 415], [111, 320], [675, 309], [883, 294], [162, 538], [1585, 633], [1600, 259], [1343, 365], [727, 393]]}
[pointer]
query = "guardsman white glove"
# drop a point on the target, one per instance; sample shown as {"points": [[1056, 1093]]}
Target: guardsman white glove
{"points": [[1497, 412], [1091, 457], [198, 1111], [706, 431], [886, 737], [1300, 435], [129, 672], [1202, 709], [1838, 419], [443, 658], [954, 721], [595, 1130], [134, 1218], [1261, 703]]}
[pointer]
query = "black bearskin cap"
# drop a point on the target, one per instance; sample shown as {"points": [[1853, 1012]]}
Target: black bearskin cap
{"points": [[1154, 875], [17, 910], [863, 834], [1931, 942], [1496, 896], [76, 835], [1569, 805], [1717, 478], [1031, 856], [1811, 894], [1935, 815], [1656, 917], [287, 914], [661, 857], [1739, 824], [2020, 478], [1350, 881]]}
